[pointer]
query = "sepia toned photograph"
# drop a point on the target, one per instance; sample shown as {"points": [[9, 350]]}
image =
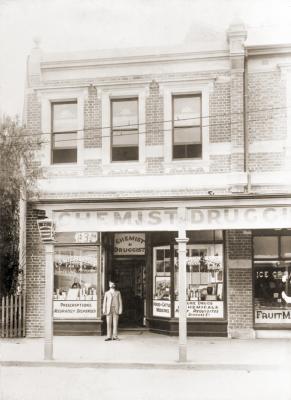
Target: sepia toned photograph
{"points": [[145, 199]]}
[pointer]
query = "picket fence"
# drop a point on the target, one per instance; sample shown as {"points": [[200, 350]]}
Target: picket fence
{"points": [[12, 316]]}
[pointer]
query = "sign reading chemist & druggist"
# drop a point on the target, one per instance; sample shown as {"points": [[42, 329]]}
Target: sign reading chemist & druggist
{"points": [[129, 244]]}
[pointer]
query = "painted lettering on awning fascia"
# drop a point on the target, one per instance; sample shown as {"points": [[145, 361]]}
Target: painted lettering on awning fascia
{"points": [[239, 218], [116, 220], [167, 219]]}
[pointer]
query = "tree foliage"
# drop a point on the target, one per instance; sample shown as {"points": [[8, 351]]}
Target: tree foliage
{"points": [[18, 174]]}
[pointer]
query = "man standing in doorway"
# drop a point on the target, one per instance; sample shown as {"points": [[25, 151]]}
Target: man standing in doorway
{"points": [[112, 308]]}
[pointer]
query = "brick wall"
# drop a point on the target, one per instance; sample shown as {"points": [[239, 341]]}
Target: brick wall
{"points": [[154, 116], [239, 244], [239, 283], [92, 119], [219, 111], [155, 165], [35, 276], [92, 167], [266, 106]]}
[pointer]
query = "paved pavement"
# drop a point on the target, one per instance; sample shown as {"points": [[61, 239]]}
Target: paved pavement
{"points": [[148, 350]]}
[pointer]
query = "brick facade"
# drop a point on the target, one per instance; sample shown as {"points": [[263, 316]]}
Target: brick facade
{"points": [[35, 276], [229, 130], [239, 283]]}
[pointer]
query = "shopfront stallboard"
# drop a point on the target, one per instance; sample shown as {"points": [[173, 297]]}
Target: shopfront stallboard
{"points": [[167, 219]]}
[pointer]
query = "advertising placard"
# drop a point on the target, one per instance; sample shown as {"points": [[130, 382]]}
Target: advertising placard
{"points": [[162, 308], [202, 309], [71, 309]]}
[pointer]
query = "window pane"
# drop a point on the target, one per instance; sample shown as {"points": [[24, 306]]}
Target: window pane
{"points": [[266, 247], [187, 135], [187, 151], [125, 138], [65, 140], [286, 246], [65, 117], [161, 283], [187, 111], [125, 113], [64, 156], [160, 266], [125, 153]]}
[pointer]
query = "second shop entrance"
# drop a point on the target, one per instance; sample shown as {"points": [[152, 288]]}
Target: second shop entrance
{"points": [[129, 275]]}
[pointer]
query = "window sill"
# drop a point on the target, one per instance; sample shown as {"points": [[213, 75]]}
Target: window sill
{"points": [[65, 169], [124, 167], [186, 165]]}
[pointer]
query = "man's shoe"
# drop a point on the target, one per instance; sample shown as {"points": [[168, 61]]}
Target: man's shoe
{"points": [[106, 340], [116, 338]]}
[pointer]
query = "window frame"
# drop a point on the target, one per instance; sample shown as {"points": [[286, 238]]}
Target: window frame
{"points": [[114, 92], [53, 133], [186, 95], [204, 87], [123, 99]]}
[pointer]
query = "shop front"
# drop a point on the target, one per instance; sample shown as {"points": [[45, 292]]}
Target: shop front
{"points": [[272, 277], [139, 250]]}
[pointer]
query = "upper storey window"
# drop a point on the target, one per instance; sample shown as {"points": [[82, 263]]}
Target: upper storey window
{"points": [[64, 132], [187, 138], [124, 130]]}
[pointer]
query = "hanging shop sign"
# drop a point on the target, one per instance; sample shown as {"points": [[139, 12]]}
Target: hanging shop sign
{"points": [[168, 219], [129, 244], [202, 309], [273, 316]]}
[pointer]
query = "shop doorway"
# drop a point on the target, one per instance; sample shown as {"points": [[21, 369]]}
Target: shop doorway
{"points": [[129, 275]]}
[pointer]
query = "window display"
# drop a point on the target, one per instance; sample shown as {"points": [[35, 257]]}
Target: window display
{"points": [[204, 281], [162, 282], [75, 283], [205, 278], [272, 274]]}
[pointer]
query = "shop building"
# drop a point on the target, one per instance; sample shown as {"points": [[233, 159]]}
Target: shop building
{"points": [[146, 151]]}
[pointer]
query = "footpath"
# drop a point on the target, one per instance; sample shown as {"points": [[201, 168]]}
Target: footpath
{"points": [[148, 350]]}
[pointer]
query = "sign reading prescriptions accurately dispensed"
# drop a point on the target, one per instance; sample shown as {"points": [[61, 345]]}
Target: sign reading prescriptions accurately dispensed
{"points": [[168, 219], [85, 309], [129, 244]]}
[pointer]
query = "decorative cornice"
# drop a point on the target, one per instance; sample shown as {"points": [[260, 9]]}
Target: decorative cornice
{"points": [[132, 60], [269, 49]]}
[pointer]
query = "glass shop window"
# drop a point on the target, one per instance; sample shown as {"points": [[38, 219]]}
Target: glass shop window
{"points": [[205, 279], [162, 281], [272, 279], [75, 282]]}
